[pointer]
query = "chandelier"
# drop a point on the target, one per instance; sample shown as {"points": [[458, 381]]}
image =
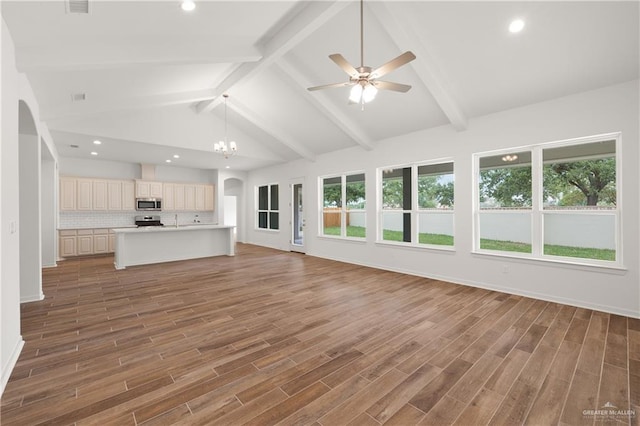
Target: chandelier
{"points": [[224, 147]]}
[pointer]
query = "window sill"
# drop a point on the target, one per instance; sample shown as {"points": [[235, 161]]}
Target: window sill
{"points": [[266, 230], [564, 262], [421, 247]]}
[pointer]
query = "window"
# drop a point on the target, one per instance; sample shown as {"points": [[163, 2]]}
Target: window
{"points": [[505, 202], [555, 201], [580, 201], [268, 207], [417, 204], [343, 206]]}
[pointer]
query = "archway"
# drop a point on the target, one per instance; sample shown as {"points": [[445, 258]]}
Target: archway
{"points": [[29, 206]]}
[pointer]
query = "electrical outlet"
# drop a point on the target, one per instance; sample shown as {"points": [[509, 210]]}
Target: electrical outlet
{"points": [[13, 227]]}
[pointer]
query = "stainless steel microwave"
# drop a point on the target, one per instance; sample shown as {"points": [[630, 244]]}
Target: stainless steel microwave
{"points": [[148, 204]]}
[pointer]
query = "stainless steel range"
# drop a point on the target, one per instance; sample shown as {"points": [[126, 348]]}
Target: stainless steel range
{"points": [[151, 220]]}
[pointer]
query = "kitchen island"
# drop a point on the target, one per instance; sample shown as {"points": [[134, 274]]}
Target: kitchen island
{"points": [[156, 244]]}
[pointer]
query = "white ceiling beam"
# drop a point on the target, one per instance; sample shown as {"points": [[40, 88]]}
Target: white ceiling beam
{"points": [[424, 64], [312, 17], [326, 106], [270, 129], [105, 105]]}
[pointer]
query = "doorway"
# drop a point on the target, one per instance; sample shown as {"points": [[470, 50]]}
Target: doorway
{"points": [[297, 217]]}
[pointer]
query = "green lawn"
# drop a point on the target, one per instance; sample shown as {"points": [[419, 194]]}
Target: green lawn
{"points": [[447, 240]]}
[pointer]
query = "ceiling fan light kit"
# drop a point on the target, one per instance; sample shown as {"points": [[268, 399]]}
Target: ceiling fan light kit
{"points": [[365, 79]]}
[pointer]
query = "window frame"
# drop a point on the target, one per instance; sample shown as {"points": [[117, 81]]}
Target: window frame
{"points": [[538, 211], [416, 211], [270, 210], [344, 210]]}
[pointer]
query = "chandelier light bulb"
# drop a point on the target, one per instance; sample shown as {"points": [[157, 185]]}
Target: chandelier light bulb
{"points": [[225, 147]]}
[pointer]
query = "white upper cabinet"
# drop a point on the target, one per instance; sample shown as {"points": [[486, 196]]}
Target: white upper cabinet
{"points": [[200, 191], [99, 195], [84, 196], [128, 195], [190, 197], [114, 195], [148, 189], [67, 194], [178, 202], [209, 200], [87, 194], [168, 196]]}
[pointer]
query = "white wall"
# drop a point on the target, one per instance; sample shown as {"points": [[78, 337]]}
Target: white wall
{"points": [[98, 169], [10, 339], [600, 111], [15, 88]]}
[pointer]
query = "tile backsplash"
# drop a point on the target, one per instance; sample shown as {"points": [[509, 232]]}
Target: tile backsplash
{"points": [[76, 220]]}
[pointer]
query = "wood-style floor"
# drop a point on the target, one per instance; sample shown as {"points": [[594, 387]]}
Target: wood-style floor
{"points": [[272, 337]]}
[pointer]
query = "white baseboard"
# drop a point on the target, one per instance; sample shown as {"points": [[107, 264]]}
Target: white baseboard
{"points": [[10, 364], [534, 295], [34, 298], [53, 265]]}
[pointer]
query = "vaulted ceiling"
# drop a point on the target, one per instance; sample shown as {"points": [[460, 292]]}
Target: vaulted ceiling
{"points": [[153, 75]]}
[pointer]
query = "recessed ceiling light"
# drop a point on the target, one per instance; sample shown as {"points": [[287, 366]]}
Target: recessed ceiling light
{"points": [[227, 167], [188, 5], [167, 161], [516, 26], [94, 153], [176, 156], [97, 142]]}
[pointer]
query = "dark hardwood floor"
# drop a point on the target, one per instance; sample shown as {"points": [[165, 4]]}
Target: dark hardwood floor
{"points": [[270, 337]]}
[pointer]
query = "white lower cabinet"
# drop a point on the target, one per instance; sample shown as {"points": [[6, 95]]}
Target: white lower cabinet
{"points": [[100, 241], [112, 241], [68, 242], [83, 242]]}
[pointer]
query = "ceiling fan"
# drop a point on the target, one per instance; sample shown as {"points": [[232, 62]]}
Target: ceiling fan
{"points": [[365, 79]]}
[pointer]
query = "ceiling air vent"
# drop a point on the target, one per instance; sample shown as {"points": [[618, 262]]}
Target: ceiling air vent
{"points": [[78, 97], [77, 6]]}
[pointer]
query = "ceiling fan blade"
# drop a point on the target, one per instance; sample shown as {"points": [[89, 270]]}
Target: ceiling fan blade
{"points": [[387, 85], [397, 62], [329, 86], [346, 66]]}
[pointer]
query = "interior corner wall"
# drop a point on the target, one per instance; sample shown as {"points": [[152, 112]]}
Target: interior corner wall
{"points": [[10, 339], [606, 110]]}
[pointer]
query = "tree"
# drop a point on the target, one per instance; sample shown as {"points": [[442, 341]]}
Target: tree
{"points": [[507, 186], [595, 179], [355, 194], [586, 182]]}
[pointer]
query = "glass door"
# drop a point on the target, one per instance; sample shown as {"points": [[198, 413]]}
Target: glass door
{"points": [[297, 217]]}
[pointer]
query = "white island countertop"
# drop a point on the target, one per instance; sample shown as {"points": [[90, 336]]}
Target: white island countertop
{"points": [[156, 244], [170, 228]]}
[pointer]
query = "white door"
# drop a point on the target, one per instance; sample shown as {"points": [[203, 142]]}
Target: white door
{"points": [[297, 216]]}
